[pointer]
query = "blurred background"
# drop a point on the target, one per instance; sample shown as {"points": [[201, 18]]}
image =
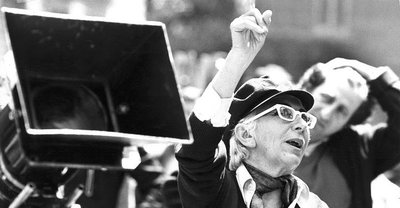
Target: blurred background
{"points": [[302, 33]]}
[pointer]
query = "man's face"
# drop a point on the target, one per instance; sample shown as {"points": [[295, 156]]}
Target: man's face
{"points": [[279, 141], [336, 100]]}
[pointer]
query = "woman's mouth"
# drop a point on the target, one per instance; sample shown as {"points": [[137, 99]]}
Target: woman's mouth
{"points": [[296, 142]]}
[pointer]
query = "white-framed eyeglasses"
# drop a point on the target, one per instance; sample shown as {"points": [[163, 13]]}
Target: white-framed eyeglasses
{"points": [[287, 113]]}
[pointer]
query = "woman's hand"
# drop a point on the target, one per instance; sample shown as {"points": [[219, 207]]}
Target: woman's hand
{"points": [[248, 36], [250, 30]]}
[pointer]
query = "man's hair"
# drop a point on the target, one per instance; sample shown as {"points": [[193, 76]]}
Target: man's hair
{"points": [[62, 103], [315, 76], [237, 151]]}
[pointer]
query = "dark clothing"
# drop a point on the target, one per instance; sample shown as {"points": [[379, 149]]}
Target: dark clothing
{"points": [[320, 172], [204, 180], [363, 152]]}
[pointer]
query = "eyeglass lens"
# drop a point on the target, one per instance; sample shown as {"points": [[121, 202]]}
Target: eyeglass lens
{"points": [[286, 112], [289, 114], [305, 117]]}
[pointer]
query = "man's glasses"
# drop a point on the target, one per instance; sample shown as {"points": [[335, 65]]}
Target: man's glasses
{"points": [[288, 114]]}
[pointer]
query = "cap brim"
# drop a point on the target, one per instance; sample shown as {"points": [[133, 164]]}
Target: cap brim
{"points": [[306, 99]]}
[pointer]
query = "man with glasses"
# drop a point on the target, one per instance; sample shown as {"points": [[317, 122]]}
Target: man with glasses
{"points": [[346, 153], [267, 128]]}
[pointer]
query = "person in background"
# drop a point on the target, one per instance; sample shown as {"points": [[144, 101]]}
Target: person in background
{"points": [[275, 72], [346, 153], [267, 127]]}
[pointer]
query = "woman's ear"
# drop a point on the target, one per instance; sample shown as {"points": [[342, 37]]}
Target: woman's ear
{"points": [[245, 136]]}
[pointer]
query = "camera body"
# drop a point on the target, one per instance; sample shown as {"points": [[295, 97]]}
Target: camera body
{"points": [[126, 67]]}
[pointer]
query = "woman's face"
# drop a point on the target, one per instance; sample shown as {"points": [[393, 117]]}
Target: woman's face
{"points": [[280, 143]]}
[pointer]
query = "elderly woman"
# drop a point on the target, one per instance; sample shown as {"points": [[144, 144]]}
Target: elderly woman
{"points": [[267, 128]]}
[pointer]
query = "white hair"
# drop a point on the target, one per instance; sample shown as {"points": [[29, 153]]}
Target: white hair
{"points": [[237, 151]]}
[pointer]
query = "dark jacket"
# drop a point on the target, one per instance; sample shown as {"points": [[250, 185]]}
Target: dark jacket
{"points": [[364, 152], [202, 180]]}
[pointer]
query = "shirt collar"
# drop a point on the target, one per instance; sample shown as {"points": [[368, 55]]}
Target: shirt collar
{"points": [[247, 187], [246, 184], [302, 194]]}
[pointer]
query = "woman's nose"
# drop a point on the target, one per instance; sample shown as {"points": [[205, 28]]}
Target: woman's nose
{"points": [[299, 124]]}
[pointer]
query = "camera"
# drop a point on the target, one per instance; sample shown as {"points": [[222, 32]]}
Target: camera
{"points": [[87, 92]]}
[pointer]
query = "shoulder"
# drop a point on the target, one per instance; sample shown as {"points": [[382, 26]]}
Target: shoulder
{"points": [[356, 134], [315, 201]]}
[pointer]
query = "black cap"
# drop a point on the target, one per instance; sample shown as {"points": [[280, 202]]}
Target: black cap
{"points": [[256, 92]]}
